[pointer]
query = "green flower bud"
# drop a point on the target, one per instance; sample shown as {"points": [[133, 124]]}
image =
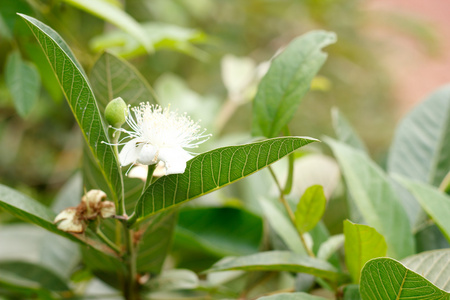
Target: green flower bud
{"points": [[116, 112]]}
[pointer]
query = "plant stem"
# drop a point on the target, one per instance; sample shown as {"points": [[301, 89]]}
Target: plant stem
{"points": [[131, 287], [107, 241], [148, 181], [290, 213]]}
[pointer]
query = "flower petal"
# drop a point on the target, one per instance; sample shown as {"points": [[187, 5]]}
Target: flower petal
{"points": [[129, 153], [174, 159], [148, 155]]}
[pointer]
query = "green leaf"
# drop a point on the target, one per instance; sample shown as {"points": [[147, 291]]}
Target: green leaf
{"points": [[386, 278], [222, 231], [32, 274], [375, 198], [291, 296], [113, 77], [282, 226], [174, 279], [279, 261], [161, 36], [345, 132], [362, 243], [287, 81], [23, 81], [116, 16], [155, 242], [30, 211], [433, 201], [212, 170], [310, 208], [330, 246], [434, 265], [421, 146], [351, 292], [81, 100]]}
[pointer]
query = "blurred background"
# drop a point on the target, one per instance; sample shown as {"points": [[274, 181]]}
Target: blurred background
{"points": [[390, 54]]}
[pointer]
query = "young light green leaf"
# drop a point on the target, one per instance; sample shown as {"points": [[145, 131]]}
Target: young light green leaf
{"points": [[292, 296], [434, 265], [23, 81], [433, 201], [116, 16], [375, 198], [81, 100], [287, 81], [212, 170], [279, 261], [421, 146], [386, 278], [174, 279], [310, 208], [113, 77], [33, 274], [155, 242], [362, 243], [345, 132]]}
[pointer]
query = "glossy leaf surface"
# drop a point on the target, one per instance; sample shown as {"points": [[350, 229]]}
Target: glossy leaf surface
{"points": [[212, 170], [81, 99], [287, 81]]}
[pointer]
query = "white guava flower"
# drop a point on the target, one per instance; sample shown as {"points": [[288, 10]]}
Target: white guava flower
{"points": [[159, 134], [68, 221]]}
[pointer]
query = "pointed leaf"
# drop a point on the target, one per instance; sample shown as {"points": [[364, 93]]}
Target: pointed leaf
{"points": [[279, 261], [386, 278], [375, 198], [113, 77], [310, 208], [433, 201], [330, 246], [421, 146], [212, 170], [433, 265], [23, 81], [116, 16], [287, 81], [362, 243], [81, 100]]}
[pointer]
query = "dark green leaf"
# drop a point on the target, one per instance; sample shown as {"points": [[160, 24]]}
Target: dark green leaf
{"points": [[287, 81], [279, 261], [375, 197], [155, 242], [221, 231], [81, 100], [351, 292], [212, 170], [23, 81], [362, 243], [113, 77], [310, 208], [421, 146], [386, 278], [35, 274], [434, 265]]}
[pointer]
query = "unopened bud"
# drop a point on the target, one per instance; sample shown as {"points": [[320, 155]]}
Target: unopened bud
{"points": [[92, 201], [116, 112]]}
